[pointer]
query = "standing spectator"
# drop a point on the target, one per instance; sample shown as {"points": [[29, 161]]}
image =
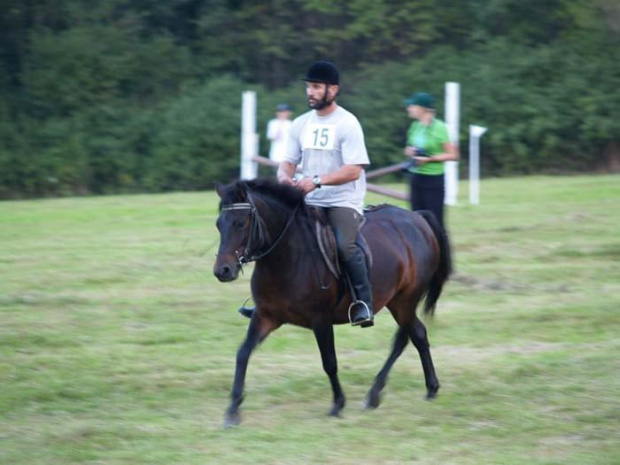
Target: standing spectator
{"points": [[278, 132], [428, 146]]}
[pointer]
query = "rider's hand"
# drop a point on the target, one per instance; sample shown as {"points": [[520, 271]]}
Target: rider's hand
{"points": [[286, 180], [410, 151], [306, 185]]}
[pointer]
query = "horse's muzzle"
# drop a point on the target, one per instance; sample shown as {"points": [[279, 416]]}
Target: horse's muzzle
{"points": [[226, 272]]}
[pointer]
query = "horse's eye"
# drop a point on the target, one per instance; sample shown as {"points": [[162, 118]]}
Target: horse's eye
{"points": [[238, 224]]}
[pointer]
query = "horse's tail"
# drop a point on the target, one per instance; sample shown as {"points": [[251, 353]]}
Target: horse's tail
{"points": [[445, 263]]}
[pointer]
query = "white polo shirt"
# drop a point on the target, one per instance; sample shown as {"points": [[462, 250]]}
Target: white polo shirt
{"points": [[323, 144]]}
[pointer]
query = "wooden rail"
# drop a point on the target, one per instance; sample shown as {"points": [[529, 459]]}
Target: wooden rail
{"points": [[369, 175]]}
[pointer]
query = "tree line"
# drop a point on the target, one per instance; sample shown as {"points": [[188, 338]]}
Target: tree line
{"points": [[145, 96]]}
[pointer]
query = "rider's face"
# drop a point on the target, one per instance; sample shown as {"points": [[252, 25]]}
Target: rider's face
{"points": [[320, 95]]}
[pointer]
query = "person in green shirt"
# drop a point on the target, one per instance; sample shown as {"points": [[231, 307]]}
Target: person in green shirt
{"points": [[428, 146]]}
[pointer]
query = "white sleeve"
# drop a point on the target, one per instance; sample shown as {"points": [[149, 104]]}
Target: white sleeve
{"points": [[293, 150], [353, 145]]}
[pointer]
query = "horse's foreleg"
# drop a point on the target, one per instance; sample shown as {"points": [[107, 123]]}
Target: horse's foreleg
{"points": [[401, 338], [418, 336], [257, 332], [324, 333]]}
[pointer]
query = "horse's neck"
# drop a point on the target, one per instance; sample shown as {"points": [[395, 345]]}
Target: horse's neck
{"points": [[293, 268], [296, 242]]}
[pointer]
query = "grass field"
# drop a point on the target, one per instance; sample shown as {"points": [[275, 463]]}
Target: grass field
{"points": [[117, 344]]}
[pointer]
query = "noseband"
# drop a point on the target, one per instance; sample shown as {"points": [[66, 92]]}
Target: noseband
{"points": [[255, 229]]}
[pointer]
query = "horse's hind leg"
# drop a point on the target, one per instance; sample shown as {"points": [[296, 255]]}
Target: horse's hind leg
{"points": [[417, 334], [324, 334], [400, 342]]}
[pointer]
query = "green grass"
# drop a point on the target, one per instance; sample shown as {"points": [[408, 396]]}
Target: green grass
{"points": [[117, 344]]}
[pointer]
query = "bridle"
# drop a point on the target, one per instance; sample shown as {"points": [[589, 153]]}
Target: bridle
{"points": [[256, 229]]}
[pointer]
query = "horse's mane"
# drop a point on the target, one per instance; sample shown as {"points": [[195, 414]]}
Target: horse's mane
{"points": [[267, 189], [287, 195]]}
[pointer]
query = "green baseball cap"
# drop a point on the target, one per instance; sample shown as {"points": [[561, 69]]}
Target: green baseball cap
{"points": [[422, 99]]}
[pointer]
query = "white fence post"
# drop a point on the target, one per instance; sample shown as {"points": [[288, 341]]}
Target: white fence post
{"points": [[249, 137], [475, 133], [452, 110]]}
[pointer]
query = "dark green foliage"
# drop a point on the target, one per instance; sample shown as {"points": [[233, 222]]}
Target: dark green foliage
{"points": [[140, 95], [197, 138]]}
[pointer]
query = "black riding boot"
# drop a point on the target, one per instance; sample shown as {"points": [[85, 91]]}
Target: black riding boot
{"points": [[360, 312]]}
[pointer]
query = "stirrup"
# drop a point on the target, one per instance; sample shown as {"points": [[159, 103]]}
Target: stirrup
{"points": [[367, 321], [245, 310]]}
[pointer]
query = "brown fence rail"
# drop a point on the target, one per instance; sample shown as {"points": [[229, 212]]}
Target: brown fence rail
{"points": [[369, 175]]}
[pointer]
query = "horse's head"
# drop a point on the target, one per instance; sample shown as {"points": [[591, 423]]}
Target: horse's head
{"points": [[234, 224], [254, 215]]}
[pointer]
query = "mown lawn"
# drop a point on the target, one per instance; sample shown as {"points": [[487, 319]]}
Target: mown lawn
{"points": [[117, 344]]}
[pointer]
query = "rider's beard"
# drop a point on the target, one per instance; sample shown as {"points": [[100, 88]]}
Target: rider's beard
{"points": [[320, 104]]}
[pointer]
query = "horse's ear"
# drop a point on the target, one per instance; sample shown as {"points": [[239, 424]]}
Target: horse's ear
{"points": [[243, 190], [219, 188]]}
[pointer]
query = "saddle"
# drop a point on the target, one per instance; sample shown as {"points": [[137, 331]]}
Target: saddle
{"points": [[327, 242]]}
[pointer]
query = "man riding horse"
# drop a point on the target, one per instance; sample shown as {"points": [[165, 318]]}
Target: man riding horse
{"points": [[329, 142]]}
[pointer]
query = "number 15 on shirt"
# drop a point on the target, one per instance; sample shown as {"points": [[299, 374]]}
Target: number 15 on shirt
{"points": [[319, 137]]}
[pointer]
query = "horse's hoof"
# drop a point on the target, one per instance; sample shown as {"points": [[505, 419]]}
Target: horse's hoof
{"points": [[231, 420], [432, 393], [372, 402]]}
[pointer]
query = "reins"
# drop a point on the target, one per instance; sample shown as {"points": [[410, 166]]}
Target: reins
{"points": [[247, 257], [257, 231]]}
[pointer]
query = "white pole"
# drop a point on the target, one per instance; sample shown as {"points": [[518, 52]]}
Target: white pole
{"points": [[475, 133], [249, 138], [453, 95]]}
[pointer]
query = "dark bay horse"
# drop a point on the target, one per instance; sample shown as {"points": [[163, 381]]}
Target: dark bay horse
{"points": [[270, 224]]}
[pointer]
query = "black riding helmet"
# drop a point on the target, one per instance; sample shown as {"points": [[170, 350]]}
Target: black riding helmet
{"points": [[324, 72]]}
